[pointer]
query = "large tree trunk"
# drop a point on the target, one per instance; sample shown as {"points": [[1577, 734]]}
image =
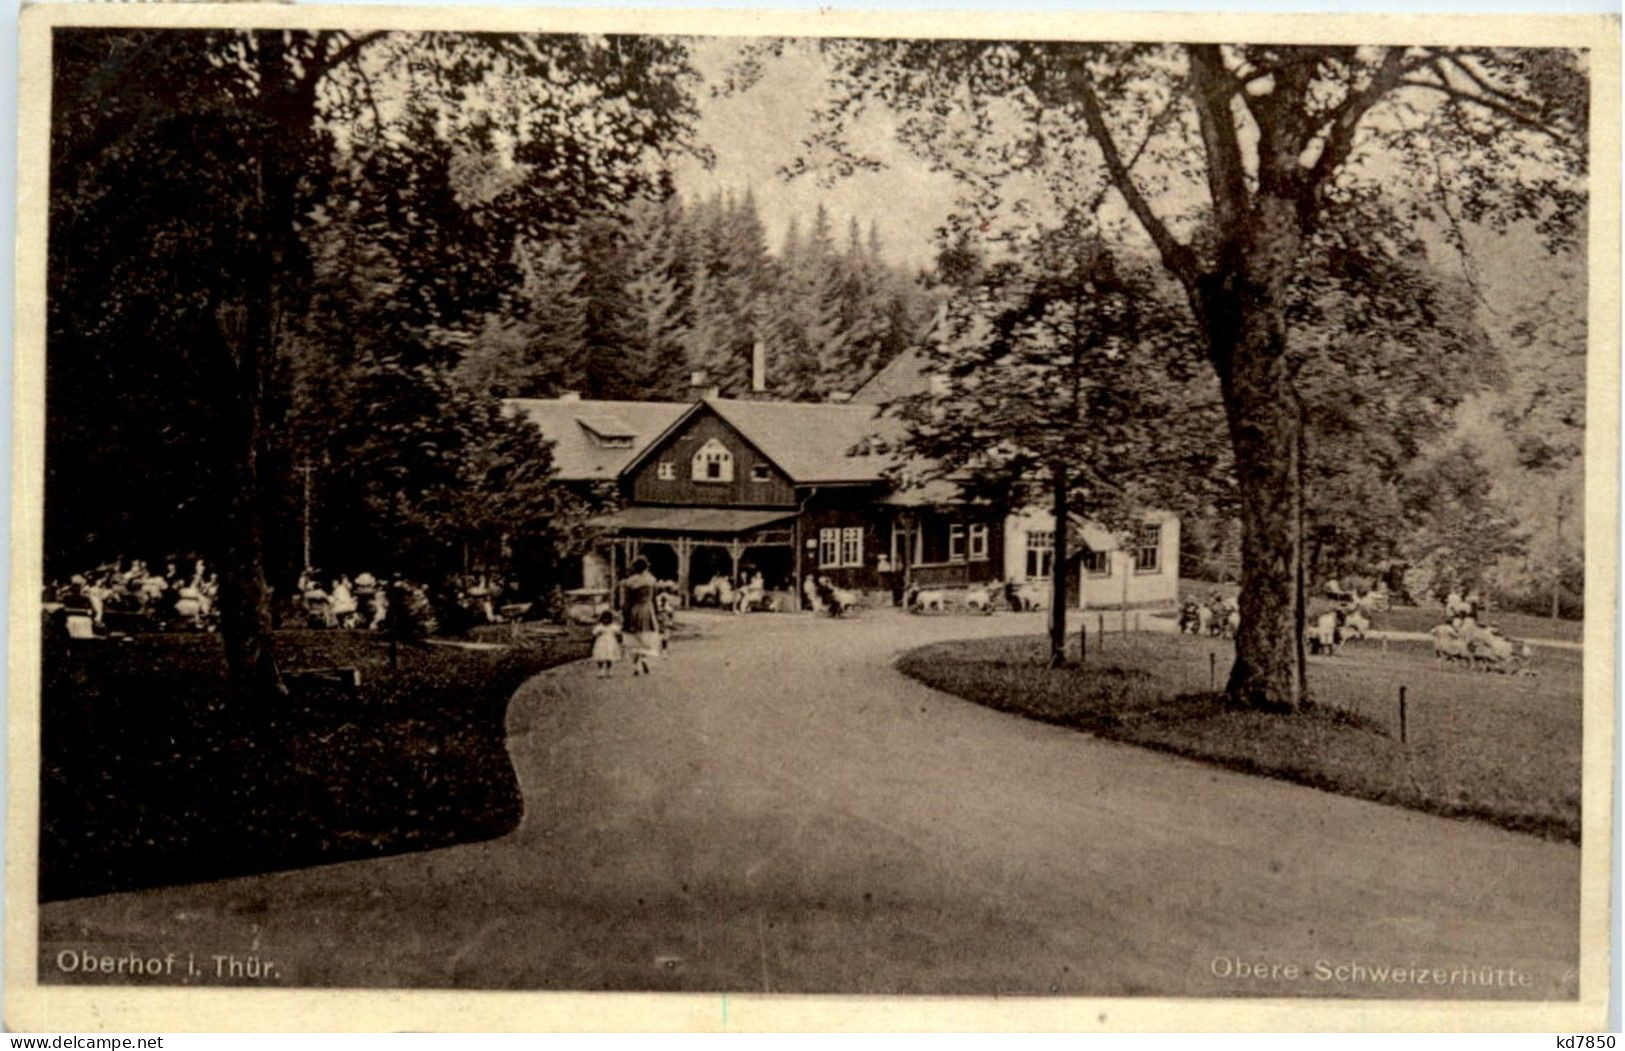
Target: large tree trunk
{"points": [[1246, 327], [1264, 428], [245, 601], [286, 114]]}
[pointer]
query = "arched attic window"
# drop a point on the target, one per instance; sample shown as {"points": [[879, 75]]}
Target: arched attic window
{"points": [[713, 463]]}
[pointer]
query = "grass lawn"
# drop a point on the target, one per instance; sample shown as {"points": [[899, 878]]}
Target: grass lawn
{"points": [[1416, 618], [1516, 625], [148, 778], [1496, 748]]}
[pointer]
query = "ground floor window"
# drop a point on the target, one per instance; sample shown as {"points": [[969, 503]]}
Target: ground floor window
{"points": [[852, 546], [1040, 554], [978, 542], [829, 547], [1097, 563], [956, 541], [1148, 549], [840, 547]]}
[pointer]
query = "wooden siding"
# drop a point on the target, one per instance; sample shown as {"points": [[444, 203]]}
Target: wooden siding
{"points": [[938, 567], [857, 509], [646, 487]]}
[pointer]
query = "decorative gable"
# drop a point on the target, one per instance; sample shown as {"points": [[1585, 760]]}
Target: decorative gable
{"points": [[713, 462]]}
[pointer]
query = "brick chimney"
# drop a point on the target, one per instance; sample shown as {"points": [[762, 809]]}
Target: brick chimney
{"points": [[758, 368], [700, 386]]}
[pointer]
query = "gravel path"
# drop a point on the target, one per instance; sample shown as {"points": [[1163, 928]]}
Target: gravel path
{"points": [[777, 809]]}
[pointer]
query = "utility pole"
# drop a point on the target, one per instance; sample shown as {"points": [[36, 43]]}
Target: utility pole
{"points": [[1127, 562], [305, 469]]}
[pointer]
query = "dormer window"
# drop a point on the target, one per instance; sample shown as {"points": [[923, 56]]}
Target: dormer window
{"points": [[713, 463], [607, 431]]}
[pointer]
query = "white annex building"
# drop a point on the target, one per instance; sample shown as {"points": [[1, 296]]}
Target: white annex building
{"points": [[1109, 574]]}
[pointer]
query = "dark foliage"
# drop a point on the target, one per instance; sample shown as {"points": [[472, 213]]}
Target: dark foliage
{"points": [[149, 779]]}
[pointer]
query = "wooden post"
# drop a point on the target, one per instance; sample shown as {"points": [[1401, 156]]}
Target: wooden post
{"points": [[1083, 641], [685, 549], [1557, 548], [1212, 672], [1403, 739], [1100, 629]]}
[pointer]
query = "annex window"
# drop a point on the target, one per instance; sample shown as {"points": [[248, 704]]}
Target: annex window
{"points": [[1148, 549], [1040, 554], [978, 542], [760, 473], [713, 463], [667, 471], [1097, 563], [956, 541], [852, 546]]}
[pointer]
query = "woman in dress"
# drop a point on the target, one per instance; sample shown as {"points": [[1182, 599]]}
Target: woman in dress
{"points": [[641, 625]]}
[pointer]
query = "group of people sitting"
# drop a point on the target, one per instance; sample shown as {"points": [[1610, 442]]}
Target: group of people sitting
{"points": [[364, 602], [344, 603], [1219, 616], [748, 595], [1465, 634], [184, 594], [824, 597]]}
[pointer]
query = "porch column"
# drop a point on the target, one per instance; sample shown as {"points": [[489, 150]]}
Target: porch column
{"points": [[796, 600], [685, 548], [735, 550]]}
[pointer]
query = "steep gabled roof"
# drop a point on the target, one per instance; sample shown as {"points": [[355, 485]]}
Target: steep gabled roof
{"points": [[813, 442], [901, 377], [578, 428]]}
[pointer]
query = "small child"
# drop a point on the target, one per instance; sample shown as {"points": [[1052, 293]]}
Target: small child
{"points": [[606, 643]]}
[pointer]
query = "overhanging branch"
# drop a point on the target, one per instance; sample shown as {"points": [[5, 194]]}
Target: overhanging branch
{"points": [[1176, 256], [1491, 104], [1345, 120]]}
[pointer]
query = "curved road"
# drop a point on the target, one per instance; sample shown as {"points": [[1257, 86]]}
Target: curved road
{"points": [[777, 809]]}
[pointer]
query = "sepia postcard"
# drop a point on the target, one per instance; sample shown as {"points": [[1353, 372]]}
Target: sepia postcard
{"points": [[537, 519]]}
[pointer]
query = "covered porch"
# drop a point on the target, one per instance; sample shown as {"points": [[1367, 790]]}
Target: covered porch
{"points": [[691, 546]]}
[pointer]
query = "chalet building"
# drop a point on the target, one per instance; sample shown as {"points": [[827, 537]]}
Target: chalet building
{"points": [[718, 486], [723, 486]]}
